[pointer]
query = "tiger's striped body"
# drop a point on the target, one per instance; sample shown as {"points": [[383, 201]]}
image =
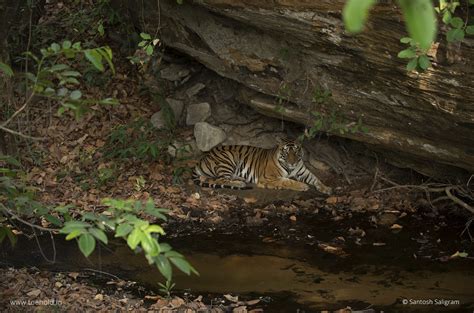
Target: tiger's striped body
{"points": [[234, 167]]}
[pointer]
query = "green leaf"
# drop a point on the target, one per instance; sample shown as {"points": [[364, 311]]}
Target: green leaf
{"points": [[447, 17], [95, 58], [145, 36], [407, 54], [10, 160], [123, 230], [420, 20], [53, 219], [71, 73], [164, 266], [457, 22], [155, 229], [149, 50], [455, 34], [412, 64], [77, 45], [75, 95], [67, 44], [106, 52], [6, 69], [149, 245], [134, 238], [72, 225], [405, 40], [471, 2], [424, 62], [355, 14], [55, 47], [99, 234], [75, 233], [183, 265], [470, 30], [86, 244], [110, 101]]}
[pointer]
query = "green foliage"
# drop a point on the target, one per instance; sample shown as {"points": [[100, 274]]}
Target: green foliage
{"points": [[147, 47], [123, 218], [419, 18], [421, 21], [283, 96], [457, 27], [6, 69], [332, 122], [418, 60], [355, 14], [137, 140], [57, 76]]}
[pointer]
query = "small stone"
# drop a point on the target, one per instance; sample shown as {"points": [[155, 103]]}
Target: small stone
{"points": [[387, 219], [99, 297], [198, 112], [208, 136], [174, 72], [158, 119], [194, 90]]}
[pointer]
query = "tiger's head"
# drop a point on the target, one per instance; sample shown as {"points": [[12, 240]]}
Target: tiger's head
{"points": [[290, 153]]}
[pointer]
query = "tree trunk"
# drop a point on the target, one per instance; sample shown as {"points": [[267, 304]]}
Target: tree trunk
{"points": [[290, 49]]}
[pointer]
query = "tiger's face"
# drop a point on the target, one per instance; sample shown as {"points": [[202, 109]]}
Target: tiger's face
{"points": [[290, 154]]}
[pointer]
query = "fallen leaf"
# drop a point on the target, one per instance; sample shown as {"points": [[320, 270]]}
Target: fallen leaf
{"points": [[74, 275], [331, 200], [231, 298], [379, 244], [99, 297], [250, 200], [459, 255], [396, 226], [293, 218], [34, 293]]}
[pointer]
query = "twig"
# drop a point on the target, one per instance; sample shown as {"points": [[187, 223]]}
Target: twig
{"points": [[102, 272], [375, 178], [457, 200], [13, 215], [41, 249], [13, 132], [466, 228]]}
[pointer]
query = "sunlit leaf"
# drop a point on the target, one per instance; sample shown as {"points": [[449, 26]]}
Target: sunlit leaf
{"points": [[95, 58]]}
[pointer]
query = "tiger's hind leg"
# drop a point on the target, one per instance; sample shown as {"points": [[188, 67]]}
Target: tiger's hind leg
{"points": [[282, 183]]}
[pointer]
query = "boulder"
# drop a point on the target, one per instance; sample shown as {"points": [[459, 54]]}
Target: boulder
{"points": [[158, 120], [198, 112], [174, 72], [208, 136]]}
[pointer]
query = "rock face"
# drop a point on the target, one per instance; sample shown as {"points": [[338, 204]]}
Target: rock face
{"points": [[208, 136], [198, 112], [158, 120], [288, 53]]}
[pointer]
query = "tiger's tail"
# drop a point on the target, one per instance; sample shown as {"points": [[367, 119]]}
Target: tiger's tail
{"points": [[198, 182]]}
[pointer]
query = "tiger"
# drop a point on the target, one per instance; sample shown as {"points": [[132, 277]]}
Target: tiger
{"points": [[236, 166]]}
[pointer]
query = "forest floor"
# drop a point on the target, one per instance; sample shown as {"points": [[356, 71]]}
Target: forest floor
{"points": [[85, 160]]}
